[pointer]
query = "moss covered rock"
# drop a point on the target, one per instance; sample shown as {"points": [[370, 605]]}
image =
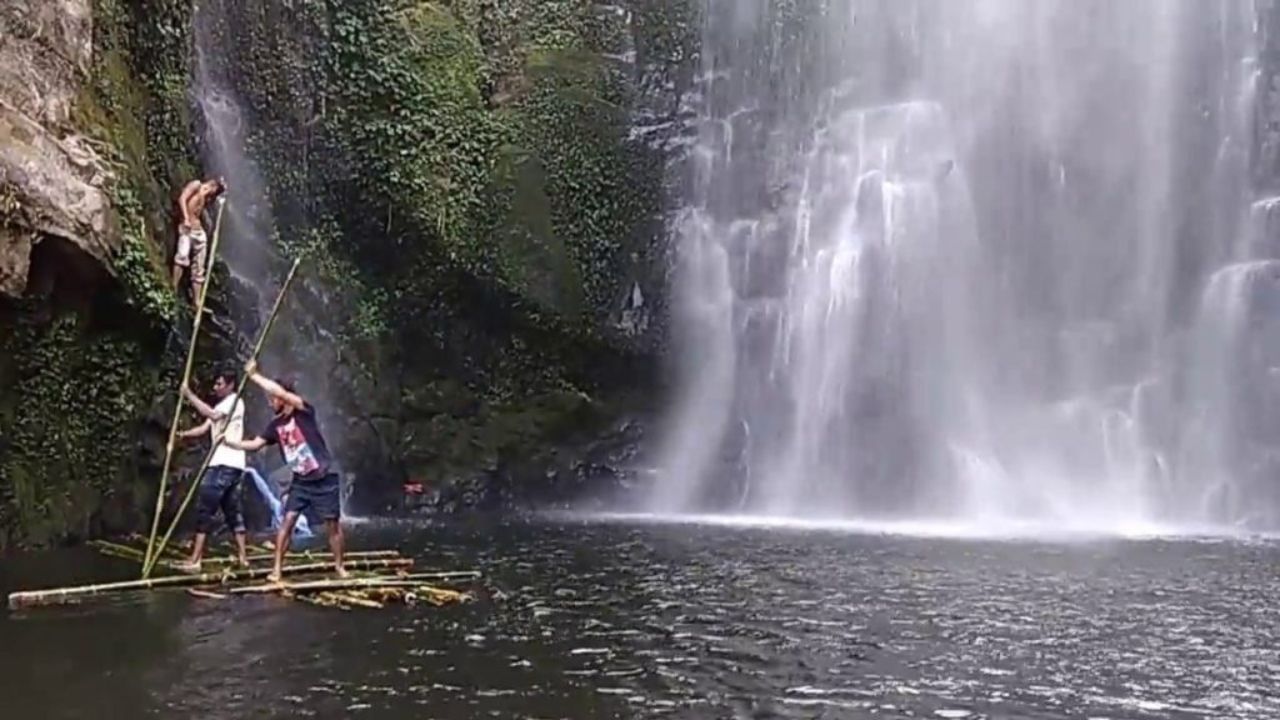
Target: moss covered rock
{"points": [[482, 220], [85, 307]]}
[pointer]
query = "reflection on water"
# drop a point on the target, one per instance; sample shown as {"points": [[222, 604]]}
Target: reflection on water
{"points": [[610, 620]]}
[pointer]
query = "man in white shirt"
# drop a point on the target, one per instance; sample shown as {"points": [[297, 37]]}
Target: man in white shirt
{"points": [[221, 488]]}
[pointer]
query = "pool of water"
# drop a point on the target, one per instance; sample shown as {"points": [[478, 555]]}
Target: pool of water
{"points": [[618, 619]]}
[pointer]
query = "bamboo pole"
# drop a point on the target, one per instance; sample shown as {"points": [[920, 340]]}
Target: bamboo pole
{"points": [[387, 594], [61, 596], [441, 596], [222, 562], [318, 557], [120, 551], [330, 584], [439, 576], [349, 599], [186, 376], [318, 601], [217, 442], [128, 553]]}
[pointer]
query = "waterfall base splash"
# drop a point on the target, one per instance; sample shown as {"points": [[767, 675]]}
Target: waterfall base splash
{"points": [[938, 529]]}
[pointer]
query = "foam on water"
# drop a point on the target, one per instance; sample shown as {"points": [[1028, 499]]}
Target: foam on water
{"points": [[943, 528]]}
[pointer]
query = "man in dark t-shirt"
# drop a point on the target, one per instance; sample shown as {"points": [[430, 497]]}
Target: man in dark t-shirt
{"points": [[314, 489]]}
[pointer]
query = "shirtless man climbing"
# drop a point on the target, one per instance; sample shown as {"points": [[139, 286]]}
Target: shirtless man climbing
{"points": [[192, 240]]}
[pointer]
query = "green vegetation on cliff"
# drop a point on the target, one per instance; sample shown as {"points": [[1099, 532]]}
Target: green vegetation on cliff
{"points": [[134, 104], [70, 419], [81, 356], [498, 137], [465, 175], [464, 181]]}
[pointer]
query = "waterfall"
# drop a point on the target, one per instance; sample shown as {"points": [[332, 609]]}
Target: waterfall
{"points": [[223, 71], [989, 261], [247, 221]]}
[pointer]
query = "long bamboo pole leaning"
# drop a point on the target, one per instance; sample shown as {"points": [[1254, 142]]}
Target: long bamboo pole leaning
{"points": [[217, 442], [62, 596], [186, 376]]}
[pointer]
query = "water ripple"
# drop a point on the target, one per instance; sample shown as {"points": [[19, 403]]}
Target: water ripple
{"points": [[605, 620]]}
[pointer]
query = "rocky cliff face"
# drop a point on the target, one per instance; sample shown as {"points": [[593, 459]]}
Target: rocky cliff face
{"points": [[478, 187], [51, 180], [84, 310]]}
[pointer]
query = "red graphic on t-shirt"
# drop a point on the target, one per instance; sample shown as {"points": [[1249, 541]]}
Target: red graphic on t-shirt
{"points": [[296, 451]]}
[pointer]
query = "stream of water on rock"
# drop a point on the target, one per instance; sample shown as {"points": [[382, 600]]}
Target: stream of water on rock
{"points": [[250, 228]]}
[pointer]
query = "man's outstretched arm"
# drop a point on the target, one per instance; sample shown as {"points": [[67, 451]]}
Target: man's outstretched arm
{"points": [[253, 445], [273, 388], [195, 432], [201, 406]]}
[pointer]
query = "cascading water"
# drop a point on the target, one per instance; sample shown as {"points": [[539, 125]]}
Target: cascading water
{"points": [[246, 220], [984, 261], [249, 222]]}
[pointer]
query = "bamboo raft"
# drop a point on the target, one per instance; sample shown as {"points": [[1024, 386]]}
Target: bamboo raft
{"points": [[377, 578]]}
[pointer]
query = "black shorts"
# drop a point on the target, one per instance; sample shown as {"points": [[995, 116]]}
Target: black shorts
{"points": [[221, 491], [317, 500]]}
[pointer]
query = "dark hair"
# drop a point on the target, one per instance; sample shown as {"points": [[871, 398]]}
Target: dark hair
{"points": [[289, 382], [221, 186], [227, 375]]}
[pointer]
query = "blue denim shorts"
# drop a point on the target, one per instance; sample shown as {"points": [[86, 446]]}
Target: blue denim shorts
{"points": [[316, 500], [220, 492]]}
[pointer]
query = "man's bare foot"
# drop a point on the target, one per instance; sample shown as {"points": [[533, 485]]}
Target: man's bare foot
{"points": [[274, 578], [244, 563], [190, 567], [342, 572]]}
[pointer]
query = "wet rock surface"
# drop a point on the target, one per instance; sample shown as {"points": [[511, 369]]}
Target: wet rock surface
{"points": [[593, 472], [51, 178]]}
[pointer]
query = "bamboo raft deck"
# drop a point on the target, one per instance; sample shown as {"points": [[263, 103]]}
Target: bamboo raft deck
{"points": [[377, 578]]}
